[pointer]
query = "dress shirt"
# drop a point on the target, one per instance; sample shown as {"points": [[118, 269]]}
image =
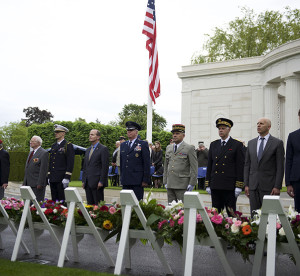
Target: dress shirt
{"points": [[226, 140], [265, 141], [178, 145]]}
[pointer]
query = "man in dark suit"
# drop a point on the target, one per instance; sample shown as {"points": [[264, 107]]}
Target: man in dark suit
{"points": [[135, 161], [36, 168], [264, 165], [292, 166], [4, 169], [61, 164], [95, 169], [224, 176]]}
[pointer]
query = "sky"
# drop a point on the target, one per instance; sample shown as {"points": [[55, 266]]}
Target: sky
{"points": [[87, 58]]}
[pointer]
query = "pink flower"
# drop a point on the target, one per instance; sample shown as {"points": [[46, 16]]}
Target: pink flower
{"points": [[227, 226], [112, 210], [229, 220], [278, 225], [237, 223], [96, 207], [181, 213], [198, 218], [171, 223], [161, 223], [181, 220], [217, 219]]}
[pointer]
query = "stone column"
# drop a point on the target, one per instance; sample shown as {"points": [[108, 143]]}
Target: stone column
{"points": [[257, 102], [271, 106], [292, 103], [186, 108]]}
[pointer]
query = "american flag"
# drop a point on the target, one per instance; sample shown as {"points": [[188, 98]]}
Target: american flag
{"points": [[149, 30]]}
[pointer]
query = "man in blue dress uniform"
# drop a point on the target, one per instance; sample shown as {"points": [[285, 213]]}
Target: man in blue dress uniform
{"points": [[61, 164], [4, 169], [134, 161]]}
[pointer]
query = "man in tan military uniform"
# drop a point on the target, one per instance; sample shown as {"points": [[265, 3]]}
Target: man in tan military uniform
{"points": [[181, 166]]}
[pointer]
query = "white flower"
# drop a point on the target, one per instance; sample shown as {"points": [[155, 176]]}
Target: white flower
{"points": [[55, 211], [234, 229], [299, 236], [291, 213], [281, 232]]}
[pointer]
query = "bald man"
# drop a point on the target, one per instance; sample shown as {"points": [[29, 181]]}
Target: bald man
{"points": [[264, 165]]}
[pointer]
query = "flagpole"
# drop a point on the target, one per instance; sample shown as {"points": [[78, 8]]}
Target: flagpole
{"points": [[149, 119]]}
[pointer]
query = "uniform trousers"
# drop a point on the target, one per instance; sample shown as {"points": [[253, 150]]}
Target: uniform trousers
{"points": [[175, 194], [138, 190], [93, 196], [57, 191], [223, 198], [1, 192], [296, 187]]}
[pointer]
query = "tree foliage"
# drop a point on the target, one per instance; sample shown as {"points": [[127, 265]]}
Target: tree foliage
{"points": [[251, 35], [14, 136], [35, 115], [138, 114]]}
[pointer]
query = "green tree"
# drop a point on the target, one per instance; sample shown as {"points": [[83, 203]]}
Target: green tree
{"points": [[138, 114], [251, 35], [14, 136], [35, 115]]}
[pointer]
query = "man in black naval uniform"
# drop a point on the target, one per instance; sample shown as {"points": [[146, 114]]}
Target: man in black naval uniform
{"points": [[224, 177], [135, 161], [61, 164], [4, 169]]}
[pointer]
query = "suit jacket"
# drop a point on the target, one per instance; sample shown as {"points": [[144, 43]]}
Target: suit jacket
{"points": [[225, 165], [61, 161], [95, 170], [4, 166], [292, 165], [135, 163], [37, 168], [181, 167], [268, 172], [202, 157]]}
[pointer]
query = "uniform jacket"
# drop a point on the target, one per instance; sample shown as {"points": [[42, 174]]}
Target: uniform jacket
{"points": [[181, 167], [61, 161], [268, 172], [95, 170], [225, 166], [4, 166], [37, 168], [292, 167], [135, 163]]}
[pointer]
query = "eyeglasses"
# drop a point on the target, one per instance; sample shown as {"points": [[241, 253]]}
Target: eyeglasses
{"points": [[58, 131]]}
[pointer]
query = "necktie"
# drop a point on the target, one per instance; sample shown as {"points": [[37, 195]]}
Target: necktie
{"points": [[130, 144], [223, 144], [261, 149], [91, 152], [175, 148], [30, 156]]}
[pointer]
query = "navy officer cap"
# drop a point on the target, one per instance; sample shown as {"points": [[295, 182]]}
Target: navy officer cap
{"points": [[132, 125], [61, 128], [224, 122]]}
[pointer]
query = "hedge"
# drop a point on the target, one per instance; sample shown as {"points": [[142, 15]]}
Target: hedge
{"points": [[18, 161]]}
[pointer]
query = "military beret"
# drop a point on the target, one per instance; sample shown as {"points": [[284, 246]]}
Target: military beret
{"points": [[132, 125], [224, 122], [178, 128], [60, 128]]}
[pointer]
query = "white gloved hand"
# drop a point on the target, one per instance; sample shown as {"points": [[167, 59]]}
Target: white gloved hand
{"points": [[166, 186], [65, 183], [237, 191], [208, 190], [190, 188]]}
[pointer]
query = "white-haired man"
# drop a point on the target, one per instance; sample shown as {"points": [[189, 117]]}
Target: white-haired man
{"points": [[36, 168]]}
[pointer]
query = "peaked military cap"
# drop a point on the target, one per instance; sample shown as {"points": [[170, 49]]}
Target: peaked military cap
{"points": [[60, 128], [178, 128], [132, 125], [224, 122], [122, 138]]}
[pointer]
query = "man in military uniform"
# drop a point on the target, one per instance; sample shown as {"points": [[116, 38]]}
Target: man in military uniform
{"points": [[61, 164], [224, 176], [122, 140], [4, 169], [134, 161], [181, 166]]}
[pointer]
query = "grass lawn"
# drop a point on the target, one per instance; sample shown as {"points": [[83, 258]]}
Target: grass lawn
{"points": [[9, 268]]}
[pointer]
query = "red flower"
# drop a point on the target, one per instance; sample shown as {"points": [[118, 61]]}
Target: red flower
{"points": [[104, 208], [246, 230], [162, 206], [229, 149], [32, 209], [48, 211]]}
